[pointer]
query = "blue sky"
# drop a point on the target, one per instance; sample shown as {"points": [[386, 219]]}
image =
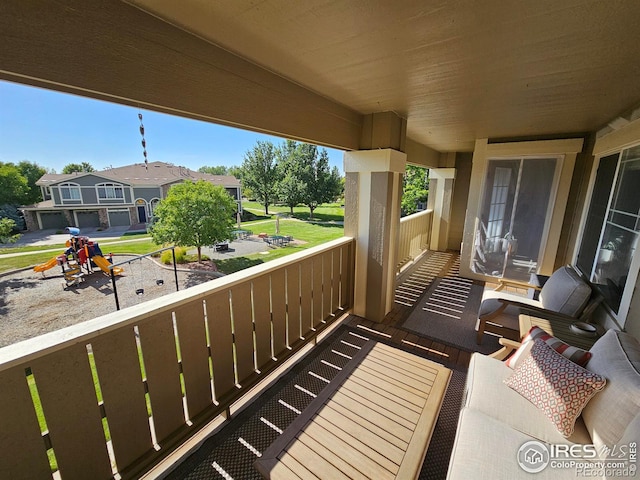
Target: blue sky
{"points": [[53, 129]]}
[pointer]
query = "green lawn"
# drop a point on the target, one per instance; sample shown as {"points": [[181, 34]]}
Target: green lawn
{"points": [[326, 212], [11, 263], [311, 233]]}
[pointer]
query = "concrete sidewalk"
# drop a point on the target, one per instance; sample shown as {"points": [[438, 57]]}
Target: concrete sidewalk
{"points": [[50, 237]]}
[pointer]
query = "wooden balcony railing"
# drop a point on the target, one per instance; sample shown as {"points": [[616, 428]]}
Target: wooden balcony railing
{"points": [[414, 237], [115, 394]]}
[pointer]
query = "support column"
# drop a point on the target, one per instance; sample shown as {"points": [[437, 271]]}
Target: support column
{"points": [[440, 200], [373, 191]]}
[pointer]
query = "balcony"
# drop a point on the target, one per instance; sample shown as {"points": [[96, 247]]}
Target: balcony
{"points": [[115, 395], [370, 87]]}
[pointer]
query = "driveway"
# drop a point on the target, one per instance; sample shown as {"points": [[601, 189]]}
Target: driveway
{"points": [[50, 237]]}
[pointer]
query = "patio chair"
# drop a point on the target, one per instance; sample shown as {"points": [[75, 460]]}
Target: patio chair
{"points": [[565, 294]]}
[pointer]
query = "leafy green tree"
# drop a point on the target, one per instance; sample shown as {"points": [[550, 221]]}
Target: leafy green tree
{"points": [[260, 173], [290, 186], [321, 184], [11, 212], [194, 214], [78, 167], [6, 231], [235, 171], [32, 172], [415, 189], [217, 170], [15, 187]]}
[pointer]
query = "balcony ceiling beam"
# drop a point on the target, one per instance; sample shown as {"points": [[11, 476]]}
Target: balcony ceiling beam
{"points": [[116, 52]]}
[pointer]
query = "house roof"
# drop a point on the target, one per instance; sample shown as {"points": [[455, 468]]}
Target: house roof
{"points": [[155, 173]]}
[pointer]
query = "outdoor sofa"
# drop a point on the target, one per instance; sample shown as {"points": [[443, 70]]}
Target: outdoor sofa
{"points": [[496, 421]]}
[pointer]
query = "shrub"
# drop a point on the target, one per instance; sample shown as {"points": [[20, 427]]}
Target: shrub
{"points": [[11, 212], [167, 258], [7, 226]]}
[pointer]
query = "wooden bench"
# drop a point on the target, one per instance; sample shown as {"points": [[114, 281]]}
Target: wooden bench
{"points": [[374, 420]]}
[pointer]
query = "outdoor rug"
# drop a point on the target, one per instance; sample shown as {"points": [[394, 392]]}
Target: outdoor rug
{"points": [[448, 311], [230, 453]]}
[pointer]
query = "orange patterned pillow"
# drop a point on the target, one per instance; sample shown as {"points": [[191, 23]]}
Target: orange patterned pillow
{"points": [[555, 385], [575, 354]]}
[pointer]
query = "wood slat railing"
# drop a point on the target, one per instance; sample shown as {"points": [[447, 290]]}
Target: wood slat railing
{"points": [[115, 394], [413, 237]]}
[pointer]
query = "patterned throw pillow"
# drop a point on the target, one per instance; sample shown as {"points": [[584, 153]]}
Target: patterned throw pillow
{"points": [[575, 354], [555, 385]]}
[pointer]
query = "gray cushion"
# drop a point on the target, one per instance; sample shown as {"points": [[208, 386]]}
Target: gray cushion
{"points": [[565, 292], [611, 412]]}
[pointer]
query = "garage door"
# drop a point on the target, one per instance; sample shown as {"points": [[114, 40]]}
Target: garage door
{"points": [[88, 219], [119, 218], [53, 220]]}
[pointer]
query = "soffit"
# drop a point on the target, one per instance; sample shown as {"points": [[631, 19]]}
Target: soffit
{"points": [[456, 70]]}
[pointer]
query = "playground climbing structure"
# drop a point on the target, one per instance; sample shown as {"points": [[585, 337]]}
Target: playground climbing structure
{"points": [[82, 257]]}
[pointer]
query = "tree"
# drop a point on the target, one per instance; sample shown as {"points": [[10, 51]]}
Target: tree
{"points": [[290, 186], [15, 188], [415, 189], [235, 171], [12, 213], [321, 184], [32, 172], [6, 231], [217, 170], [260, 173], [78, 167], [194, 214]]}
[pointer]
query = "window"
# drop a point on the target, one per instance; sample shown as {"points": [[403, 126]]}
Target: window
{"points": [[110, 191], [612, 228], [70, 192]]}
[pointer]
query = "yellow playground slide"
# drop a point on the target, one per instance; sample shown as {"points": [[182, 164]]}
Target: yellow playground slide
{"points": [[46, 266], [104, 265]]}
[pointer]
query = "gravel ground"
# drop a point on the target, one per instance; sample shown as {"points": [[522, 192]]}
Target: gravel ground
{"points": [[31, 304]]}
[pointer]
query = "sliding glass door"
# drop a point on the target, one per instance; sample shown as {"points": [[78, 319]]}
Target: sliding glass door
{"points": [[610, 237], [513, 216]]}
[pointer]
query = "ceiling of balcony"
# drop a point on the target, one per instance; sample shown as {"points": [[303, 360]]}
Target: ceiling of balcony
{"points": [[310, 70], [457, 70]]}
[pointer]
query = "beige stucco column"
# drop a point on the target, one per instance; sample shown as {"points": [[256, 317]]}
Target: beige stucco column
{"points": [[440, 201], [373, 190]]}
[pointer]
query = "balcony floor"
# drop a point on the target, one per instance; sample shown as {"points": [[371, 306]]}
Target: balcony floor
{"points": [[230, 453]]}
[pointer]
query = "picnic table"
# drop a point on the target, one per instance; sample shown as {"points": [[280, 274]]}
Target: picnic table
{"points": [[242, 234], [222, 246], [278, 240]]}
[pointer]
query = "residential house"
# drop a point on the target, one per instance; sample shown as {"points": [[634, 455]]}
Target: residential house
{"points": [[114, 197], [525, 113]]}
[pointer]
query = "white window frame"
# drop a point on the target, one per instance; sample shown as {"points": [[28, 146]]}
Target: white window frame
{"points": [[70, 187], [107, 187], [634, 268], [567, 149]]}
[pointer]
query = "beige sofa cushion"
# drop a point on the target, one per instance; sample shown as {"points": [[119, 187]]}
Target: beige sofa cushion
{"points": [[487, 449], [615, 356], [487, 393]]}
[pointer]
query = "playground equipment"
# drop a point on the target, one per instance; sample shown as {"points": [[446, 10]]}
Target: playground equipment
{"points": [[139, 278], [80, 254]]}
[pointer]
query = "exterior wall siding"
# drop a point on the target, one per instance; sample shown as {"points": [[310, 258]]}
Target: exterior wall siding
{"points": [[148, 193]]}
